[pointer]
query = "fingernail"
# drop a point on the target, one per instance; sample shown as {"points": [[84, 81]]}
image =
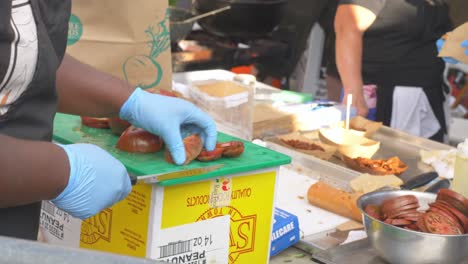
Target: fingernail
{"points": [[179, 158]]}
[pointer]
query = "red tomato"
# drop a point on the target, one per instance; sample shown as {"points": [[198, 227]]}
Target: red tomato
{"points": [[95, 122], [210, 155], [193, 146], [231, 148], [137, 140]]}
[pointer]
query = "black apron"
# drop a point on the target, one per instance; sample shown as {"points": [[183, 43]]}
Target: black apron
{"points": [[31, 116]]}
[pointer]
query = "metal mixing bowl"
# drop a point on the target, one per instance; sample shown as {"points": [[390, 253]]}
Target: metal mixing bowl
{"points": [[398, 245]]}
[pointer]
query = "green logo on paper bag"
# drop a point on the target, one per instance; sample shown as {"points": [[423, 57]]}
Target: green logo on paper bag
{"points": [[75, 30], [143, 69]]}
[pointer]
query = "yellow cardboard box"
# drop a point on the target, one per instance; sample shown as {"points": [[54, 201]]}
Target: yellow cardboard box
{"points": [[221, 220]]}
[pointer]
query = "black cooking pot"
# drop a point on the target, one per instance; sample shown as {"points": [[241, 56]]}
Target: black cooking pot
{"points": [[247, 19]]}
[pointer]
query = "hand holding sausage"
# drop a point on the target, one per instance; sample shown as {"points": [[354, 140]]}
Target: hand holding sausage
{"points": [[165, 116]]}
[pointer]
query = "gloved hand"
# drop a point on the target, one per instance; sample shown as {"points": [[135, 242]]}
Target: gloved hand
{"points": [[440, 43], [97, 181], [168, 117]]}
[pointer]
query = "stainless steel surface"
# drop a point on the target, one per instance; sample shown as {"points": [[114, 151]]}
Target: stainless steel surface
{"points": [[406, 147], [400, 144], [16, 251], [293, 255], [356, 252], [337, 176], [398, 245]]}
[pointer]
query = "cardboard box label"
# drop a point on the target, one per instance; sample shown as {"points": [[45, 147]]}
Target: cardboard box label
{"points": [[250, 210], [58, 227], [191, 243], [123, 228], [220, 192]]}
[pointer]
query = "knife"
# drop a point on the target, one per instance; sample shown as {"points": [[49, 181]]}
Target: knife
{"points": [[414, 182], [150, 179], [419, 180], [442, 184]]}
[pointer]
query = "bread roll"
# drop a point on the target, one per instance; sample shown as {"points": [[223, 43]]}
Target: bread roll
{"points": [[334, 200]]}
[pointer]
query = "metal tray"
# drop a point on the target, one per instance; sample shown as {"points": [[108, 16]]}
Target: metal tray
{"points": [[333, 174], [393, 143], [356, 252]]}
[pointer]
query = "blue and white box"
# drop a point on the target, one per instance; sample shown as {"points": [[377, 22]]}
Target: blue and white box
{"points": [[285, 231]]}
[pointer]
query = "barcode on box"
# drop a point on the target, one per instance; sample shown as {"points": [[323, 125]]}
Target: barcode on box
{"points": [[48, 208], [175, 248]]}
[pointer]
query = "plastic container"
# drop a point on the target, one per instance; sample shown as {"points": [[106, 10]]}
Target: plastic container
{"points": [[460, 176], [314, 115], [229, 102]]}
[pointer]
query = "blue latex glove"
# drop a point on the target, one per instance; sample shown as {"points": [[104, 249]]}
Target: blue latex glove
{"points": [[440, 43], [168, 117], [97, 181]]}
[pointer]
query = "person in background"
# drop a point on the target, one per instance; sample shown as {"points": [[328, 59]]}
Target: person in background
{"points": [[332, 77], [390, 43], [37, 79]]}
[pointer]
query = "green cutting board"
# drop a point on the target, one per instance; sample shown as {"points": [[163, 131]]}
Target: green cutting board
{"points": [[68, 129]]}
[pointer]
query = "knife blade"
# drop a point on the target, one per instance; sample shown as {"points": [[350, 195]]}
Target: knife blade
{"points": [[150, 179]]}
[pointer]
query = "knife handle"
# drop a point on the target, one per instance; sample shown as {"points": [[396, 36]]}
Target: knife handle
{"points": [[133, 179], [420, 180], [442, 184]]}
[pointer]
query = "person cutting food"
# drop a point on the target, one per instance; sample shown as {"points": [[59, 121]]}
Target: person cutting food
{"points": [[390, 44], [37, 79]]}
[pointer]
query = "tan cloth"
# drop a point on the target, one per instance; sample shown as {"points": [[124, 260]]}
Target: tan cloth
{"points": [[452, 47]]}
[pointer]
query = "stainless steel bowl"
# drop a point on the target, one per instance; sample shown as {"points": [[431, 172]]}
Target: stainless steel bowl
{"points": [[398, 245]]}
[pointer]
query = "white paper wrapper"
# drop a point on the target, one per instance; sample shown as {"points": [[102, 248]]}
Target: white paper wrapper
{"points": [[443, 161]]}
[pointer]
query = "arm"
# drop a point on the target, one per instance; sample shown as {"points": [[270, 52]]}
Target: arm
{"points": [[44, 177], [84, 91], [351, 21]]}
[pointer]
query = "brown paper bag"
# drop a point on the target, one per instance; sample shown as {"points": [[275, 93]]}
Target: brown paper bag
{"points": [[128, 39], [452, 47]]}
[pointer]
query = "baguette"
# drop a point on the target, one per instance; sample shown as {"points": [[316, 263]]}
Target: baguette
{"points": [[334, 200]]}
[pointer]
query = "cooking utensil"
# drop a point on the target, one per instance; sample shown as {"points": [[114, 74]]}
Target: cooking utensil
{"points": [[246, 20], [398, 245], [441, 184], [197, 17], [415, 182], [150, 179], [419, 180]]}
